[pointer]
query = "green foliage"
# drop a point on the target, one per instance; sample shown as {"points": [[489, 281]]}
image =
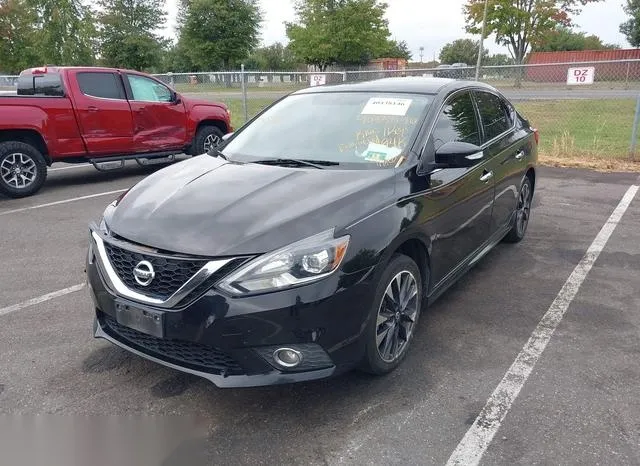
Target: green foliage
{"points": [[631, 27], [218, 34], [127, 36], [461, 51], [66, 32], [520, 23], [397, 49], [18, 48], [564, 39], [276, 57], [343, 32], [499, 59]]}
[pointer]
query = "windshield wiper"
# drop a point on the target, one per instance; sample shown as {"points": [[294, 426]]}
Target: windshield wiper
{"points": [[320, 164], [215, 152]]}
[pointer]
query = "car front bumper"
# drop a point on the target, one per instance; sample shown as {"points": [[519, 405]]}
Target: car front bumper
{"points": [[230, 341]]}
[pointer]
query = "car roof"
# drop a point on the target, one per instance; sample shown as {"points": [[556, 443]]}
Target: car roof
{"points": [[59, 69], [409, 84]]}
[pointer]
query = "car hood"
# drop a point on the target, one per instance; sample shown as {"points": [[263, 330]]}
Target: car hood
{"points": [[208, 206], [193, 101]]}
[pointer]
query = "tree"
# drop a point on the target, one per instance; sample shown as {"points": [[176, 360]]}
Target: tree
{"points": [[564, 39], [461, 51], [127, 33], [18, 48], [275, 57], [218, 34], [499, 59], [631, 27], [520, 23], [66, 32], [343, 32], [397, 49]]}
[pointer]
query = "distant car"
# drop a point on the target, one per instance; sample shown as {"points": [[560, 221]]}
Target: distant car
{"points": [[441, 71], [97, 115], [308, 243]]}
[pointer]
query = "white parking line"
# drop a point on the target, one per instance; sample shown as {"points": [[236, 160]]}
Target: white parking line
{"points": [[477, 439], [40, 299], [64, 201]]}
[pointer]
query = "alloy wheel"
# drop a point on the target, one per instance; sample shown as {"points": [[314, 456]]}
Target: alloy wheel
{"points": [[397, 316], [211, 141], [18, 170], [524, 209]]}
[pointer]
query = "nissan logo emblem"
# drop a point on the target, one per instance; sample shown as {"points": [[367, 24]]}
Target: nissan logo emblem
{"points": [[144, 273]]}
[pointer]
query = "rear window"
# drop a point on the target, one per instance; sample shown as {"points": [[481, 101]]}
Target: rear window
{"points": [[101, 84], [49, 84]]}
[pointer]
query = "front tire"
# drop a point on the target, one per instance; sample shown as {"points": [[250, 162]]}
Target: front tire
{"points": [[23, 169], [523, 213], [394, 317], [206, 138]]}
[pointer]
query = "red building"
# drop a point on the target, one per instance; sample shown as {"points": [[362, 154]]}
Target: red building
{"points": [[609, 64]]}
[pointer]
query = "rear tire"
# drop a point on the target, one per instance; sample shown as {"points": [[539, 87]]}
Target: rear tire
{"points": [[522, 214], [206, 137], [23, 169], [394, 317]]}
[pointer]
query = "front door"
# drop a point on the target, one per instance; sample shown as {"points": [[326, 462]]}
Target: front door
{"points": [[159, 122], [104, 115], [462, 198]]}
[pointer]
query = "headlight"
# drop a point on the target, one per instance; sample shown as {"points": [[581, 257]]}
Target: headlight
{"points": [[299, 263]]}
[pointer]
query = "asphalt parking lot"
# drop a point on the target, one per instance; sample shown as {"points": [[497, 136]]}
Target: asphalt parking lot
{"points": [[578, 405]]}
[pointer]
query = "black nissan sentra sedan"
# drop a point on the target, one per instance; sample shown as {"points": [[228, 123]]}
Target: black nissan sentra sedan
{"points": [[310, 240]]}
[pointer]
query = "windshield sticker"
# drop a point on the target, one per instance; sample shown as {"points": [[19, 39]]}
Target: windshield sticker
{"points": [[380, 153], [386, 106]]}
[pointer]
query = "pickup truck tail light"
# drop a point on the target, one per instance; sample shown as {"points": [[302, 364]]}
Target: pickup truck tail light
{"points": [[536, 135]]}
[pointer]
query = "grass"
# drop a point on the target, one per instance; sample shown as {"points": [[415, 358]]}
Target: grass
{"points": [[584, 133], [254, 106]]}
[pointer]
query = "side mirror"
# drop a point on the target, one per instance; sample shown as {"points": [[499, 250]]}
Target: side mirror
{"points": [[458, 155], [175, 98]]}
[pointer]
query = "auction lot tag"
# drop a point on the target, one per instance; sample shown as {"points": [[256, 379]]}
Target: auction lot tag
{"points": [[386, 106]]}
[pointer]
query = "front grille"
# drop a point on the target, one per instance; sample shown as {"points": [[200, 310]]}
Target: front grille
{"points": [[182, 353], [171, 274]]}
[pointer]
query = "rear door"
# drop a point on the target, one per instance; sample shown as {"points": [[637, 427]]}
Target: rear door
{"points": [[462, 198], [507, 148], [159, 122], [103, 113]]}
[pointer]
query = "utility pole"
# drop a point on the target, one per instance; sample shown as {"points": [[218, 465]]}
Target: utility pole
{"points": [[421, 53], [481, 47]]}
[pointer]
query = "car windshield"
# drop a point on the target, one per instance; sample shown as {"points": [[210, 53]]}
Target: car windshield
{"points": [[356, 129]]}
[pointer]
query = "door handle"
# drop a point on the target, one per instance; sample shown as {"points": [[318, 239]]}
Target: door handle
{"points": [[520, 155], [91, 108], [486, 177]]}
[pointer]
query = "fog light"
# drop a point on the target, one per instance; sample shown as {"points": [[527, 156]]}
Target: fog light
{"points": [[287, 357]]}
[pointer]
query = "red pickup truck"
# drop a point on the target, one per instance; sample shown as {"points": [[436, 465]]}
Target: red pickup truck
{"points": [[98, 115]]}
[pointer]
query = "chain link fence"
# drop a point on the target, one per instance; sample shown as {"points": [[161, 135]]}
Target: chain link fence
{"points": [[583, 110]]}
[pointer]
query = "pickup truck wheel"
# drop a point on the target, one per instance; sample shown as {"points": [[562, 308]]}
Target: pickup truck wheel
{"points": [[23, 169], [206, 138]]}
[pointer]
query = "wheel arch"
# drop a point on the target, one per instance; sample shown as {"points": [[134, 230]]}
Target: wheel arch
{"points": [[27, 136], [221, 125]]}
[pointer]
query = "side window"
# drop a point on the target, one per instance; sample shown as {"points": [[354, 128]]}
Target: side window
{"points": [[148, 90], [457, 122], [103, 85], [495, 115], [49, 84]]}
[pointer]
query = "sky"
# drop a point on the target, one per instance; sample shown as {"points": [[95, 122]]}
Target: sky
{"points": [[431, 23]]}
